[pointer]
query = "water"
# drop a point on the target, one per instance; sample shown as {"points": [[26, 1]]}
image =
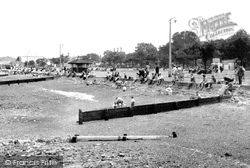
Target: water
{"points": [[76, 95]]}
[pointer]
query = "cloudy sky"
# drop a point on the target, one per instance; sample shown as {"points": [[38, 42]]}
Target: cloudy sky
{"points": [[38, 27]]}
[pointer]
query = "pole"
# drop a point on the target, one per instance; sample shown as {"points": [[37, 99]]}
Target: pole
{"points": [[60, 55], [170, 57]]}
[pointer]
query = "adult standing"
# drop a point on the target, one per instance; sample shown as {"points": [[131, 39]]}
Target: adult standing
{"points": [[236, 74], [240, 74], [157, 70], [147, 68]]}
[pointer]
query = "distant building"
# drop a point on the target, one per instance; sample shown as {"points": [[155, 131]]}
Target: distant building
{"points": [[229, 64], [6, 62], [80, 65]]}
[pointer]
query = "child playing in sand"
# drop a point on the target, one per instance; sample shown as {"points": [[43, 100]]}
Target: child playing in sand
{"points": [[132, 101]]}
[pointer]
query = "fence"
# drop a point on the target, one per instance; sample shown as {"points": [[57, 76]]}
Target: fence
{"points": [[18, 81], [106, 114]]}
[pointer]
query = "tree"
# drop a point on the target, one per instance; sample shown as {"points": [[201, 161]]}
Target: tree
{"points": [[163, 54], [93, 57], [19, 58], [182, 43], [239, 46], [146, 52], [108, 58], [130, 59], [55, 60], [31, 63], [206, 49], [64, 59], [241, 49], [41, 62]]}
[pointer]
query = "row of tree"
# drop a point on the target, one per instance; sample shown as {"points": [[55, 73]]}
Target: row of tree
{"points": [[186, 50]]}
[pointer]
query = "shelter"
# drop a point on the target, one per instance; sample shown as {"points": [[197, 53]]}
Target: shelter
{"points": [[80, 65]]}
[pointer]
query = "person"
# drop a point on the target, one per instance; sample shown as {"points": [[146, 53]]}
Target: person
{"points": [[157, 70], [192, 81], [136, 78], [125, 76], [168, 91], [147, 68], [115, 105], [203, 82], [160, 79], [124, 88], [227, 78], [196, 96], [236, 75], [153, 79], [226, 89], [240, 74], [174, 73], [119, 102], [211, 82], [221, 69], [132, 101]]}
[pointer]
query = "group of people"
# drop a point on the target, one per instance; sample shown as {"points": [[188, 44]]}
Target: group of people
{"points": [[120, 103], [144, 76], [203, 83], [178, 73], [239, 74]]}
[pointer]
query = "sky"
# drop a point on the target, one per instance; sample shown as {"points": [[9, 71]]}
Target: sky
{"points": [[38, 27]]}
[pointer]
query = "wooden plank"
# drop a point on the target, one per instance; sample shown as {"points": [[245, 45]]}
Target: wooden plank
{"points": [[164, 107], [93, 115], [187, 104], [118, 112]]}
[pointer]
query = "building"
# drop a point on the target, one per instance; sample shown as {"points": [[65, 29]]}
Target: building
{"points": [[80, 65], [229, 64], [6, 62]]}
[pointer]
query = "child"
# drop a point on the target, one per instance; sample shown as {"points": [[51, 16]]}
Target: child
{"points": [[115, 105], [124, 88], [203, 82], [192, 81], [168, 91], [132, 101]]}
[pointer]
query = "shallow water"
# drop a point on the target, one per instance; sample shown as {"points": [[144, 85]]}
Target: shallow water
{"points": [[76, 95]]}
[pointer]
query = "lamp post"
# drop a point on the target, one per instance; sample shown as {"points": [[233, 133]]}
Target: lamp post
{"points": [[60, 46], [170, 57]]}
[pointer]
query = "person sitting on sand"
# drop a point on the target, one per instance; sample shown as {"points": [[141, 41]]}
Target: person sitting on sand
{"points": [[153, 79], [136, 78], [196, 96], [168, 91], [226, 89], [192, 81], [203, 82], [145, 78], [160, 79], [119, 102], [227, 78], [115, 105], [211, 82]]}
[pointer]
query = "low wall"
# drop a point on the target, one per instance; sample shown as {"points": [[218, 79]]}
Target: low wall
{"points": [[18, 81], [106, 114]]}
